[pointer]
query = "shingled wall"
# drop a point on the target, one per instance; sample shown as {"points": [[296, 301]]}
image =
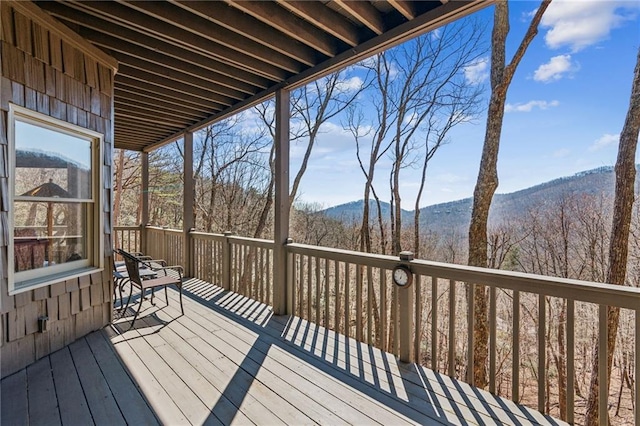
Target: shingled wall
{"points": [[45, 71]]}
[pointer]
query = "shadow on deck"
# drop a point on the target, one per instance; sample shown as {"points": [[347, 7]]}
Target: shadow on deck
{"points": [[229, 360]]}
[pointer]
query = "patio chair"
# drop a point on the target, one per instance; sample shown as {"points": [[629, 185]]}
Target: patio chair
{"points": [[134, 263]]}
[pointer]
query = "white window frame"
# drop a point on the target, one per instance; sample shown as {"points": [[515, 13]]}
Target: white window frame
{"points": [[29, 280]]}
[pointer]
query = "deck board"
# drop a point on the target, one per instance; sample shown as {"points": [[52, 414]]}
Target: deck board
{"points": [[101, 402], [131, 404], [72, 403], [228, 360], [43, 403], [13, 398]]}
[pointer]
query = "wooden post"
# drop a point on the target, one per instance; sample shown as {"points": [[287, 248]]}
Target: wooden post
{"points": [[281, 225], [144, 201], [188, 195], [226, 261], [405, 296]]}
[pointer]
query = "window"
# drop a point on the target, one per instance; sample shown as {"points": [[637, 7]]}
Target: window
{"points": [[55, 193]]}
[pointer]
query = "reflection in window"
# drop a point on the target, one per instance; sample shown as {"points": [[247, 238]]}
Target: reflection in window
{"points": [[48, 233], [53, 198]]}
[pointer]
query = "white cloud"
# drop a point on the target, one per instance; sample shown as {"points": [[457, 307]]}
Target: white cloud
{"points": [[561, 153], [350, 84], [604, 141], [554, 70], [477, 72], [579, 24], [529, 106]]}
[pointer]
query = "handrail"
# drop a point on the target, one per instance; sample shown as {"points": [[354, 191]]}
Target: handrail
{"points": [[580, 291]]}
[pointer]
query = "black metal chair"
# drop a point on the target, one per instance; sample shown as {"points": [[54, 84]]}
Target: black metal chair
{"points": [[134, 264]]}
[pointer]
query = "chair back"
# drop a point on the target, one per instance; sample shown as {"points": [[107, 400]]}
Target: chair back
{"points": [[133, 266]]}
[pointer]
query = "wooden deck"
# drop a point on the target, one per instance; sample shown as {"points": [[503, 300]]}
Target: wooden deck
{"points": [[229, 361]]}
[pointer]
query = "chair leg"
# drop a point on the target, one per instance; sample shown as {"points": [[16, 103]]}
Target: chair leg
{"points": [[166, 295], [138, 311], [181, 308], [129, 298]]}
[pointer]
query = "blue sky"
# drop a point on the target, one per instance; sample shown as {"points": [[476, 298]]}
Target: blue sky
{"points": [[565, 110]]}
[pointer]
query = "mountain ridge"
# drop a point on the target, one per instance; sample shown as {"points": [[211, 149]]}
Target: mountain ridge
{"points": [[455, 216]]}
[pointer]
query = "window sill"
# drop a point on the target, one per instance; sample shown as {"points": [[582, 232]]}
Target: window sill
{"points": [[24, 286]]}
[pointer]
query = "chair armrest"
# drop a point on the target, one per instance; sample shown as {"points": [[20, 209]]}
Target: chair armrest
{"points": [[177, 268]]}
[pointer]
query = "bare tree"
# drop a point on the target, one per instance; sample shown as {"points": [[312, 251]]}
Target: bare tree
{"points": [[487, 183], [620, 229]]}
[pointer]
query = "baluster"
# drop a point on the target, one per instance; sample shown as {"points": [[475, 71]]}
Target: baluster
{"points": [[383, 309], [369, 305], [359, 303], [492, 339], [637, 369], [452, 327], [326, 293], [470, 328], [434, 323], [571, 373], [336, 312], [542, 351], [515, 344], [418, 321], [603, 389], [309, 286], [347, 304]]}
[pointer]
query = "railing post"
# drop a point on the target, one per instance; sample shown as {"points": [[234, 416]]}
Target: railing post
{"points": [[164, 253], [281, 202], [226, 261], [144, 201], [406, 312], [289, 280]]}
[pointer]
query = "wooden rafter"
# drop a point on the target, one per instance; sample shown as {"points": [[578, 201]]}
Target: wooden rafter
{"points": [[365, 13]]}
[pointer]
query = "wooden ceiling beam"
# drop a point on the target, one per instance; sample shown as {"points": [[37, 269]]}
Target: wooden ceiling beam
{"points": [[173, 98], [130, 18], [240, 79], [278, 18], [405, 7], [169, 80], [161, 68], [365, 13], [134, 96], [324, 18], [128, 99], [136, 134], [143, 123], [163, 116], [158, 89], [228, 86], [247, 26], [181, 18]]}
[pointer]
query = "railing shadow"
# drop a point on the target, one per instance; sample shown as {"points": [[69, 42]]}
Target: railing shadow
{"points": [[418, 394]]}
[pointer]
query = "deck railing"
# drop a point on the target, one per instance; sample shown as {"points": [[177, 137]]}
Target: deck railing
{"points": [[164, 243], [128, 238], [242, 265], [530, 317]]}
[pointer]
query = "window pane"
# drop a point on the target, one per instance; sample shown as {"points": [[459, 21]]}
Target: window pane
{"points": [[51, 163], [47, 234]]}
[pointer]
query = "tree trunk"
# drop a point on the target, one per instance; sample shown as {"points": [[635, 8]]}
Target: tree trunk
{"points": [[117, 197], [487, 182], [619, 242]]}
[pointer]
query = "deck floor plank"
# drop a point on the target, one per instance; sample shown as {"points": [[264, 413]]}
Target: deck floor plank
{"points": [[195, 411], [15, 405], [218, 404], [228, 360], [102, 403], [308, 380], [260, 405], [161, 403], [73, 406], [131, 403], [43, 403]]}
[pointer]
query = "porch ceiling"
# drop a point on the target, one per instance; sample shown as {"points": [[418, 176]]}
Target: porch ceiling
{"points": [[185, 64]]}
